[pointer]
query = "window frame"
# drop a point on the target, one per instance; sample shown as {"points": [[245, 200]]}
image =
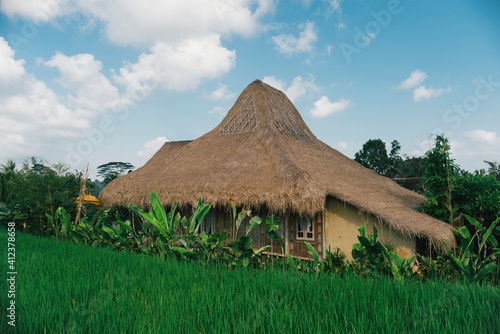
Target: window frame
{"points": [[305, 232]]}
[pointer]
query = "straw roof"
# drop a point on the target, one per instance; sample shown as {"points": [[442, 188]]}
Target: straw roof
{"points": [[263, 155]]}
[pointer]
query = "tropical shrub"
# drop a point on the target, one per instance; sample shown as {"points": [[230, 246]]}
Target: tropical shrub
{"points": [[334, 261], [369, 254], [477, 195], [474, 262]]}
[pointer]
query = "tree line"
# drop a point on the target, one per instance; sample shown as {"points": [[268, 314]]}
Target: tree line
{"points": [[451, 192], [35, 188]]}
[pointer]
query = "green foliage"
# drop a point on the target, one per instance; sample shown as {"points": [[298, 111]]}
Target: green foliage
{"points": [[400, 267], [10, 213], [372, 258], [112, 170], [36, 189], [374, 156], [411, 167], [440, 176], [243, 251], [61, 221], [237, 220], [451, 195], [494, 169], [167, 224], [316, 265], [211, 247], [439, 268], [477, 195], [369, 253], [188, 245], [253, 223], [272, 227], [193, 225], [473, 262], [334, 261]]}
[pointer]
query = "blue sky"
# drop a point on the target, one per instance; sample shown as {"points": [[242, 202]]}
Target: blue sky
{"points": [[98, 81]]}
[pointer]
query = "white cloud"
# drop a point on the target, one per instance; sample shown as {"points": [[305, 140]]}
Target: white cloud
{"points": [[82, 75], [36, 10], [149, 21], [324, 107], [183, 37], [274, 82], [220, 93], [342, 145], [218, 110], [424, 93], [340, 26], [11, 70], [415, 79], [181, 45], [33, 118], [177, 67], [334, 7], [306, 3], [289, 44], [329, 49], [301, 87], [151, 147], [298, 88], [472, 148], [483, 136], [421, 92]]}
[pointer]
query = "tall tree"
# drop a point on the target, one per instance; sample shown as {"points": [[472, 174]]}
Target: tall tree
{"points": [[7, 174], [440, 179], [112, 170], [494, 169], [374, 156]]}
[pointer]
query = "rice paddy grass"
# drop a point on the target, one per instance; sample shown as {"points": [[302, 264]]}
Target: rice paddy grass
{"points": [[63, 287]]}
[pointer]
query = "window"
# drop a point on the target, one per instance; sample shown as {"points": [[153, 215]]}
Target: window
{"points": [[305, 228]]}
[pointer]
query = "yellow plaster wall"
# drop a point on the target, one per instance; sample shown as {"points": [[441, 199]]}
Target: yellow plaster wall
{"points": [[341, 229]]}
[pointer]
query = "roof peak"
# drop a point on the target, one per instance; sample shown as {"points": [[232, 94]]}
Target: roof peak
{"points": [[261, 105]]}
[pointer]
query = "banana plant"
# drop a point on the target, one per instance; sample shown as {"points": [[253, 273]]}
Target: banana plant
{"points": [[369, 253], [60, 221], [193, 224], [211, 246], [10, 212], [400, 267], [244, 252], [185, 246], [166, 224], [317, 265], [123, 236], [254, 222], [471, 264], [237, 220], [88, 231], [272, 226]]}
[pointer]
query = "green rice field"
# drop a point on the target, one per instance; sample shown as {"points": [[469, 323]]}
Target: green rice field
{"points": [[63, 287]]}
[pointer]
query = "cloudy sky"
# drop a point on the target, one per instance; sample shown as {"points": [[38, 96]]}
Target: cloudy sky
{"points": [[111, 80]]}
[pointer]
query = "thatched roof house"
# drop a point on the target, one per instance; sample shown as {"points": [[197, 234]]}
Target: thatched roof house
{"points": [[263, 156]]}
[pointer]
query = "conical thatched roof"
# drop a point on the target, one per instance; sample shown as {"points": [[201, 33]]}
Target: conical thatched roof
{"points": [[263, 154]]}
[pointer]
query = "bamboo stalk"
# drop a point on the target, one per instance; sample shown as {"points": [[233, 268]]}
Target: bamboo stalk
{"points": [[83, 189]]}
